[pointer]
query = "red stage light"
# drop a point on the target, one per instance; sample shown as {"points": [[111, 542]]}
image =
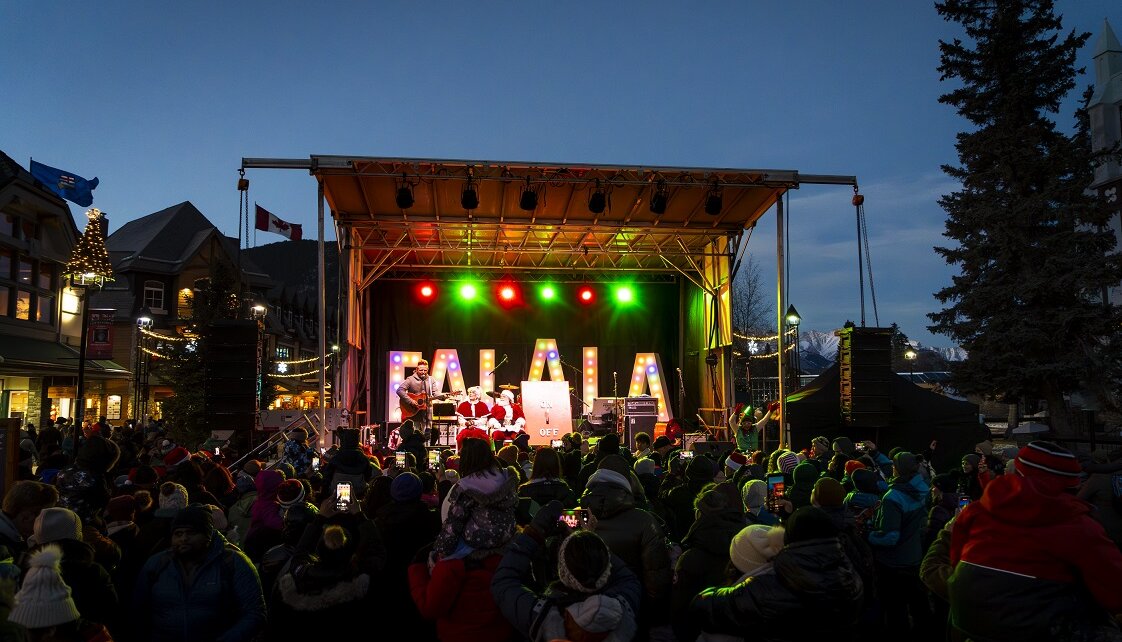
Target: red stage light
{"points": [[426, 292], [585, 295], [507, 293]]}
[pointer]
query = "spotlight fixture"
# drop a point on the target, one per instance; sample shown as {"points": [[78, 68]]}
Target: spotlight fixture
{"points": [[529, 200], [405, 194], [660, 197], [714, 201], [469, 198], [597, 201]]}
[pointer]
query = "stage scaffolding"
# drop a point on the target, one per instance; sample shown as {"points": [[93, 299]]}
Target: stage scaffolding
{"points": [[560, 238]]}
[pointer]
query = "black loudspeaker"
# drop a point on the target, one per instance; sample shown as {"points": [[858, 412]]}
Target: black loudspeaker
{"points": [[636, 424], [865, 364], [231, 362], [719, 450]]}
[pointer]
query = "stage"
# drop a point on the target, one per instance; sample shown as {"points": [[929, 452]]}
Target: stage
{"points": [[675, 236]]}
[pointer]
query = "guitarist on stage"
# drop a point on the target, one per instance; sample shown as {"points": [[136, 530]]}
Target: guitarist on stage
{"points": [[416, 393]]}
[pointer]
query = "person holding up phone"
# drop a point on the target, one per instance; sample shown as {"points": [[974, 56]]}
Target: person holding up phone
{"points": [[597, 593]]}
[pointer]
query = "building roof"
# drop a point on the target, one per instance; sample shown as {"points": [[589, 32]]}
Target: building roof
{"points": [[162, 242]]}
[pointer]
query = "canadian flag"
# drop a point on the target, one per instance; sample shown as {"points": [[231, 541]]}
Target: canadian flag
{"points": [[269, 222]]}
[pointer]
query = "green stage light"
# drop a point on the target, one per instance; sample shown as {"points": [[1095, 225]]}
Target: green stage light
{"points": [[547, 293], [467, 292], [624, 294]]}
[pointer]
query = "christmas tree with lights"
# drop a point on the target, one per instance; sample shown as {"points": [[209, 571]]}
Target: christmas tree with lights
{"points": [[89, 263]]}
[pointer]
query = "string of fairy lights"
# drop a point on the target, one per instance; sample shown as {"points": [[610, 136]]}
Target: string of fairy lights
{"points": [[766, 340], [176, 339]]}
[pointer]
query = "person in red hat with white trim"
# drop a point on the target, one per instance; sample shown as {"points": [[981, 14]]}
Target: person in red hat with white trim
{"points": [[1030, 537], [507, 418]]}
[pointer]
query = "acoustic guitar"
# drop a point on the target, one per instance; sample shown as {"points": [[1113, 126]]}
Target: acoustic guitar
{"points": [[419, 399]]}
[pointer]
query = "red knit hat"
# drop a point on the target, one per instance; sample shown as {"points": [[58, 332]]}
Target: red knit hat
{"points": [[1051, 468], [477, 433], [290, 492], [852, 465], [735, 460], [177, 456]]}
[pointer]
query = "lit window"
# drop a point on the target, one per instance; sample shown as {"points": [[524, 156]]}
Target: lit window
{"points": [[23, 305]]}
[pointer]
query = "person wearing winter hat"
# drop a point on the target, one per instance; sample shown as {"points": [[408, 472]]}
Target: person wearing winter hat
{"points": [[44, 604], [827, 493], [595, 598], [754, 497], [679, 502], [198, 568], [852, 465], [786, 462], [56, 524], [479, 522], [1030, 536], [507, 417], [705, 559], [752, 550], [405, 487], [637, 536], [91, 585], [767, 604], [176, 456], [733, 463], [21, 507], [969, 482], [897, 542]]}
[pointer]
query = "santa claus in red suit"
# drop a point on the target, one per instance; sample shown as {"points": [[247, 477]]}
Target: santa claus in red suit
{"points": [[473, 408], [507, 418]]}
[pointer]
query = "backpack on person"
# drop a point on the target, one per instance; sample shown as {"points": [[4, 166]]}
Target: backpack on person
{"points": [[863, 519]]}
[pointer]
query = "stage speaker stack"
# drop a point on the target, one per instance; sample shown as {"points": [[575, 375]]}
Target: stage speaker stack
{"points": [[641, 414], [230, 358], [865, 358]]}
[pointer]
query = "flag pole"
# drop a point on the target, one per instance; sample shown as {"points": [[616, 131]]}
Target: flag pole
{"points": [[322, 324]]}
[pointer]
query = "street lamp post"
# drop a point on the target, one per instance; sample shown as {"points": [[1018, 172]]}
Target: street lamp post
{"points": [[257, 312], [910, 356], [140, 367], [793, 321], [87, 268]]}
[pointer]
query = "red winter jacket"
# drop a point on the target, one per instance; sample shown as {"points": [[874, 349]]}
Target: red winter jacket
{"points": [[458, 596], [1015, 529]]}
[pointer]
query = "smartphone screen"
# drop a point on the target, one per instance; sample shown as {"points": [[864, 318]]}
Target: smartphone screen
{"points": [[775, 486], [217, 451], [399, 460], [342, 495], [575, 517], [685, 454], [556, 443], [434, 457], [315, 462], [963, 502]]}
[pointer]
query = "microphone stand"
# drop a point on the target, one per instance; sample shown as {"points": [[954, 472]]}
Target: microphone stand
{"points": [[580, 379], [497, 366]]}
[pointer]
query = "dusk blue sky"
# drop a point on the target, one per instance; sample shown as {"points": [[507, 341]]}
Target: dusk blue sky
{"points": [[161, 101]]}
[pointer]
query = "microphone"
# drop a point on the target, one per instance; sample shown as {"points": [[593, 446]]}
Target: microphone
{"points": [[679, 370]]}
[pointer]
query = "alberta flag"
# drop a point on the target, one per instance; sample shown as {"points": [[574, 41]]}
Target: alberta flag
{"points": [[269, 222], [67, 185]]}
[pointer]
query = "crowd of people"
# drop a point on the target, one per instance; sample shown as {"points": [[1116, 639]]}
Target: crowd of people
{"points": [[135, 537]]}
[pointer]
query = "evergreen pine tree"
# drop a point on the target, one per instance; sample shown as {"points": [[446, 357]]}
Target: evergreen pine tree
{"points": [[1029, 242]]}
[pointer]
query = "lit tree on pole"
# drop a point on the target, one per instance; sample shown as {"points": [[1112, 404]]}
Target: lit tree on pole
{"points": [[1028, 241]]}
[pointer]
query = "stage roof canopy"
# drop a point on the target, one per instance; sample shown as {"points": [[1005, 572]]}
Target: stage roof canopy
{"points": [[560, 236]]}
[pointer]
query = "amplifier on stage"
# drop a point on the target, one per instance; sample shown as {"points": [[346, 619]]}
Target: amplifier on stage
{"points": [[640, 406]]}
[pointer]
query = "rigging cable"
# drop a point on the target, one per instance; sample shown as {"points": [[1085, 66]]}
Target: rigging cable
{"points": [[864, 257]]}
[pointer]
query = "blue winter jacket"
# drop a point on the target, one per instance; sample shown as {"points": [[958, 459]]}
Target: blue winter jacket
{"points": [[224, 602], [896, 533]]}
